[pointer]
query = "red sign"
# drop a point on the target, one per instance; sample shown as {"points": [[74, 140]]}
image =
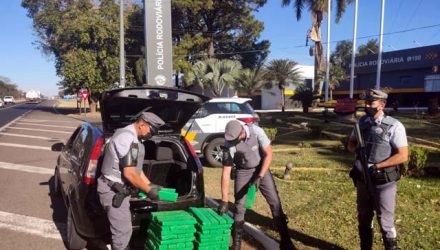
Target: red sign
{"points": [[346, 105], [84, 94]]}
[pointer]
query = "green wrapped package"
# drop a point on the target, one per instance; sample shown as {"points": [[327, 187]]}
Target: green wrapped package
{"points": [[250, 197], [165, 194]]}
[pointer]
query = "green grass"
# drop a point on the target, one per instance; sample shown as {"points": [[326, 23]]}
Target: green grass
{"points": [[319, 199]]}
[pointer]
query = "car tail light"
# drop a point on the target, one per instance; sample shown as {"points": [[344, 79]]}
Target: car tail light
{"points": [[195, 157], [89, 175], [248, 119]]}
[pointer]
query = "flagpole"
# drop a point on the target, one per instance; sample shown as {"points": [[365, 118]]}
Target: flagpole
{"points": [[379, 55], [353, 50], [327, 73]]}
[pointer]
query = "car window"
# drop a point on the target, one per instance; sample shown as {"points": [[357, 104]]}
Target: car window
{"points": [[81, 145], [72, 138]]}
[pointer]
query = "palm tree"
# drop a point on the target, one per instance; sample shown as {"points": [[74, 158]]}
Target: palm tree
{"points": [[305, 95], [317, 8], [371, 47], [214, 74], [251, 80], [337, 74], [283, 72]]}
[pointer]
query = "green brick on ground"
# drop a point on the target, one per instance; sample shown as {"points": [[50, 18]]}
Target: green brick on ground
{"points": [[250, 197], [171, 230], [207, 216], [154, 245], [173, 218], [214, 238], [170, 237], [211, 245]]}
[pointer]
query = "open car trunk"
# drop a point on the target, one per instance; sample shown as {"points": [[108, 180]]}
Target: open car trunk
{"points": [[167, 163]]}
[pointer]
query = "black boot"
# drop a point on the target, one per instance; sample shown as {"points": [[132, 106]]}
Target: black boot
{"points": [[237, 233], [283, 230], [390, 244], [366, 235]]}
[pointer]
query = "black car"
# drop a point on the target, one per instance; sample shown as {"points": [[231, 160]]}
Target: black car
{"points": [[170, 160]]}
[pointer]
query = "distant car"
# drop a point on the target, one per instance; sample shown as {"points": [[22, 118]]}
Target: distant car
{"points": [[205, 130], [9, 100], [170, 160]]}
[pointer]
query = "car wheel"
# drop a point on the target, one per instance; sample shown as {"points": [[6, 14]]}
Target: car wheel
{"points": [[214, 153], [73, 240], [56, 185]]}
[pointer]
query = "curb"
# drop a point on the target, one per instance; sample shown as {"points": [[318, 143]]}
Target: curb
{"points": [[266, 241]]}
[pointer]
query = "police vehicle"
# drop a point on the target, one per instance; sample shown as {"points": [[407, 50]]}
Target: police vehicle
{"points": [[205, 130], [170, 160]]}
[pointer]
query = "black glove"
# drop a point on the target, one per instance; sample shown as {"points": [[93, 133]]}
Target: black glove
{"points": [[154, 192], [256, 181], [222, 208]]}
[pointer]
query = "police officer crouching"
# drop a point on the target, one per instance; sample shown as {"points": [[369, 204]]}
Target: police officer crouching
{"points": [[386, 147], [242, 150], [121, 169]]}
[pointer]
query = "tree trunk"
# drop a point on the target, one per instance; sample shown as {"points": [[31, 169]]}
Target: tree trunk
{"points": [[433, 104], [93, 106], [283, 100], [305, 108], [331, 94]]}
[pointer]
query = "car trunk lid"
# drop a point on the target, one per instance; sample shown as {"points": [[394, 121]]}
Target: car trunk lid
{"points": [[120, 107]]}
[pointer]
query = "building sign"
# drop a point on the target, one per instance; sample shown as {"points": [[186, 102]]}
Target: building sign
{"points": [[423, 57], [158, 42]]}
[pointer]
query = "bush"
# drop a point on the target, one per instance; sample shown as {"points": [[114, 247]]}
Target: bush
{"points": [[315, 131], [304, 145], [271, 133], [417, 161]]}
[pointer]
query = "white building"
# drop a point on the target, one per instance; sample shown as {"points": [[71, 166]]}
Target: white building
{"points": [[271, 99]]}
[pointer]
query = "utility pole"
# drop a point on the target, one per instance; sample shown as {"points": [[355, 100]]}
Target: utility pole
{"points": [[379, 57], [121, 45]]}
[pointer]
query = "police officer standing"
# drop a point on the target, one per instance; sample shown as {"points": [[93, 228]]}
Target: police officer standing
{"points": [[121, 169], [242, 150], [386, 147]]}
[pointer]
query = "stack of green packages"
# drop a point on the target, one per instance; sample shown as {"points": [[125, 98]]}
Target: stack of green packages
{"points": [[171, 230], [165, 194], [213, 230], [250, 196]]}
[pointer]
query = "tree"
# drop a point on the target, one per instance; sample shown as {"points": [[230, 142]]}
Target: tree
{"points": [[250, 80], [336, 75], [370, 48], [222, 29], [7, 88], [283, 72], [83, 38], [305, 95], [317, 8], [214, 74], [342, 53]]}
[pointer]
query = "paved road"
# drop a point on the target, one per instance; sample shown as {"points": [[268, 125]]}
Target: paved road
{"points": [[29, 217]]}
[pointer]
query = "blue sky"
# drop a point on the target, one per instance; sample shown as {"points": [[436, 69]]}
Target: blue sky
{"points": [[27, 67]]}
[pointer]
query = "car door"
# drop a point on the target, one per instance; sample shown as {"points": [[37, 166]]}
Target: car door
{"points": [[65, 161]]}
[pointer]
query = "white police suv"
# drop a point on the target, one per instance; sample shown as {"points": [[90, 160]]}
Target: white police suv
{"points": [[205, 130]]}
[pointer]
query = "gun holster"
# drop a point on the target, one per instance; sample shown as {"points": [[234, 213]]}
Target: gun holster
{"points": [[121, 191]]}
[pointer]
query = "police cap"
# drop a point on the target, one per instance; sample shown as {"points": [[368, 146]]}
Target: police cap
{"points": [[232, 130], [376, 94], [155, 121]]}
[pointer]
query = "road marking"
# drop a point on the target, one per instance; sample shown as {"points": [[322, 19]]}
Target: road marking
{"points": [[24, 146], [38, 120], [32, 136], [43, 125], [26, 168], [44, 130], [32, 225]]}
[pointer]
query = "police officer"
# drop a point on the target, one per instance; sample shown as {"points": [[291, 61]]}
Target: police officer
{"points": [[242, 150], [386, 147], [122, 168]]}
